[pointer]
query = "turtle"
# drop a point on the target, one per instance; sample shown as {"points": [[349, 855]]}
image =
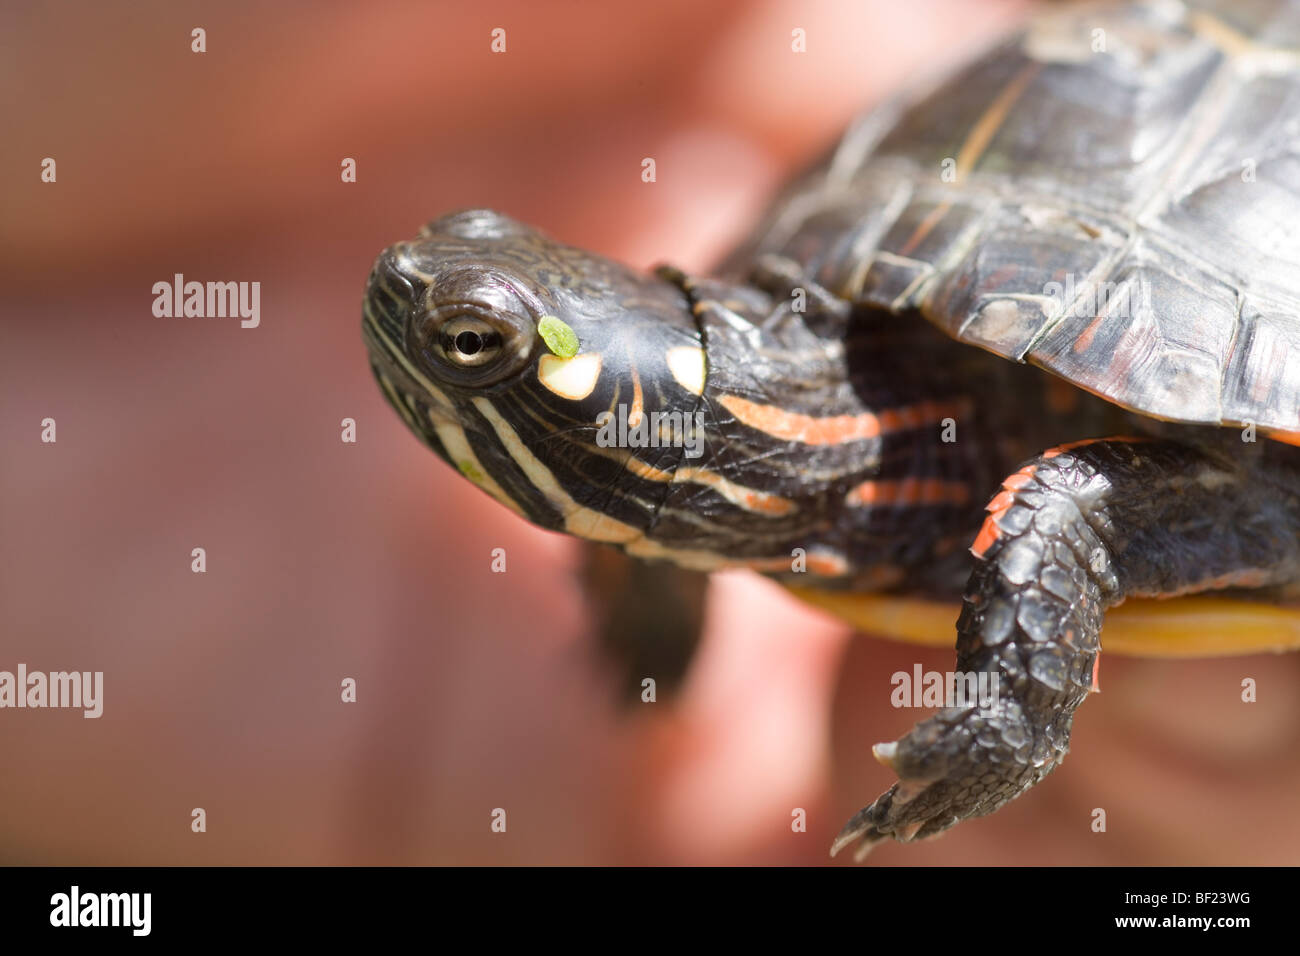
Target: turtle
{"points": [[1022, 346]]}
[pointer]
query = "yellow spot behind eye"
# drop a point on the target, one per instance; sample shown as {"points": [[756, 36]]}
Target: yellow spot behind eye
{"points": [[572, 378], [686, 362]]}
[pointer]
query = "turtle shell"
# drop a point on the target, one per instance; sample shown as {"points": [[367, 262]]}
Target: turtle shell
{"points": [[1113, 195]]}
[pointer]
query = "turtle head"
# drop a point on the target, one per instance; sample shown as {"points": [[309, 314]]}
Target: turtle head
{"points": [[522, 362]]}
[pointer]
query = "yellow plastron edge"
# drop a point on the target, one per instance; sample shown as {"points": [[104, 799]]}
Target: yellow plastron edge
{"points": [[1199, 626]]}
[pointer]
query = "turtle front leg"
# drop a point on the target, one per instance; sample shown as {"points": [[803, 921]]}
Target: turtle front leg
{"points": [[649, 619], [1072, 533]]}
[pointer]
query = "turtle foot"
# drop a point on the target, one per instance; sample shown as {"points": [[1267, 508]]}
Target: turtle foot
{"points": [[960, 763]]}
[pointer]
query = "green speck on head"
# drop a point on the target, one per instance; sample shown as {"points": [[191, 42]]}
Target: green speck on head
{"points": [[469, 471], [559, 338]]}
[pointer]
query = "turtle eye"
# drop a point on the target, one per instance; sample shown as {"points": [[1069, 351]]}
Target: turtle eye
{"points": [[469, 342], [467, 346]]}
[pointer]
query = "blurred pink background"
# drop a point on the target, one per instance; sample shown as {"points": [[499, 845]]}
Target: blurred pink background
{"points": [[328, 560]]}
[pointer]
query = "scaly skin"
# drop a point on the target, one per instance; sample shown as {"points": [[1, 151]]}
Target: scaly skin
{"points": [[1072, 534]]}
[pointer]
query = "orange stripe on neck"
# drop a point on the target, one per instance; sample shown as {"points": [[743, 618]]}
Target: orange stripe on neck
{"points": [[910, 491], [786, 425]]}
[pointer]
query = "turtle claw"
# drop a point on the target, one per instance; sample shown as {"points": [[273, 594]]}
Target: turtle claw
{"points": [[873, 824], [863, 828], [885, 819], [854, 830], [958, 764], [884, 754]]}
